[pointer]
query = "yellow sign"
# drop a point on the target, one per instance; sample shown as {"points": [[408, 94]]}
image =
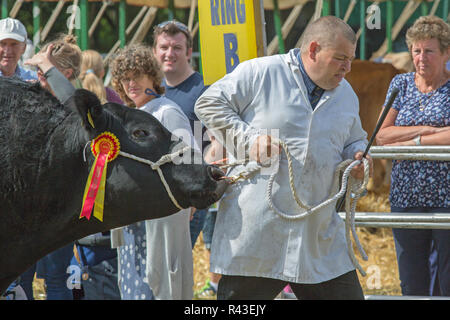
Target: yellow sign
{"points": [[229, 32]]}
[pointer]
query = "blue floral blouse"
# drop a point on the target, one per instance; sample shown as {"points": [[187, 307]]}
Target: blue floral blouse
{"points": [[420, 183]]}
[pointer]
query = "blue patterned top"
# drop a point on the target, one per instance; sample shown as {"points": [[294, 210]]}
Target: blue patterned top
{"points": [[420, 183]]}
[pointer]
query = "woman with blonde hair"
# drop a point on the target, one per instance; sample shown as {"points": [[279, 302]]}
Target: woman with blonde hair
{"points": [[420, 115], [95, 257], [92, 73], [61, 57], [66, 56]]}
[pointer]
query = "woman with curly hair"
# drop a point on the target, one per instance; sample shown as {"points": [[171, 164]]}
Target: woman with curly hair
{"points": [[155, 256], [420, 115]]}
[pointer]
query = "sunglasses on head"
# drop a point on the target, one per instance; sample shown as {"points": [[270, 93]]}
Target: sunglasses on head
{"points": [[178, 24]]}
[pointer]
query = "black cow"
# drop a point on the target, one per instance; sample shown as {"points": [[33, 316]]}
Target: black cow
{"points": [[43, 174]]}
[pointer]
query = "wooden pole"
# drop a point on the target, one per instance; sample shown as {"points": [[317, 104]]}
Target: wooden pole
{"points": [[261, 41], [145, 25], [434, 7], [287, 27], [127, 32], [314, 17], [97, 18], [192, 14], [407, 12], [52, 19], [15, 9], [194, 30], [349, 10]]}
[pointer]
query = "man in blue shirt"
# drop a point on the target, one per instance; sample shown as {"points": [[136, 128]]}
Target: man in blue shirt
{"points": [[13, 37], [172, 46]]}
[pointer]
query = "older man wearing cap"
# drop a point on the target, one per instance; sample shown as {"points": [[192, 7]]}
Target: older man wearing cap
{"points": [[13, 42], [13, 37]]}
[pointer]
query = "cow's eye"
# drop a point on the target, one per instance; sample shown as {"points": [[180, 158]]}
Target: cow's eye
{"points": [[140, 133]]}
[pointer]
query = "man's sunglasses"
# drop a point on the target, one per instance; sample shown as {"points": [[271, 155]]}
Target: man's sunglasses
{"points": [[178, 24]]}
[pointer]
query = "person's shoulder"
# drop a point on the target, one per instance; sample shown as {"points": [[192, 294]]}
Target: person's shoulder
{"points": [[263, 65], [406, 77], [168, 105], [195, 80], [171, 110]]}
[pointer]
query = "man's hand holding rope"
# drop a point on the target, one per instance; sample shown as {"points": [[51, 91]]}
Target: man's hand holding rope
{"points": [[358, 171]]}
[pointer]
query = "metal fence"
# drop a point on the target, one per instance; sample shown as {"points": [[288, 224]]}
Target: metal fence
{"points": [[404, 220]]}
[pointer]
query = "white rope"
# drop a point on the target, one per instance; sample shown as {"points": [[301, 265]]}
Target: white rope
{"points": [[156, 166], [356, 189]]}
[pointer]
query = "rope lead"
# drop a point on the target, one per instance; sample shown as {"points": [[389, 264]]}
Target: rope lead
{"points": [[355, 188]]}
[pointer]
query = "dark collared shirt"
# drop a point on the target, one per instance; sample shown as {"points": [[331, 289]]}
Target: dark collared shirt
{"points": [[314, 91]]}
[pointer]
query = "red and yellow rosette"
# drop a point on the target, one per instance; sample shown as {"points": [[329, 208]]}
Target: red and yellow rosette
{"points": [[105, 148]]}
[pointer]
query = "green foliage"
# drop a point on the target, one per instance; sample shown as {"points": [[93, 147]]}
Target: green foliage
{"points": [[107, 31]]}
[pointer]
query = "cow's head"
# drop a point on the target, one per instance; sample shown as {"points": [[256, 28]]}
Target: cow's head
{"points": [[140, 134]]}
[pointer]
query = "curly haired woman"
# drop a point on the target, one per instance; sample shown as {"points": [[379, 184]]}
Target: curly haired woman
{"points": [[420, 115], [155, 256]]}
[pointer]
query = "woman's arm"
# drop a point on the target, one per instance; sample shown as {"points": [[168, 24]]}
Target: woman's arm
{"points": [[61, 86], [439, 138], [390, 134]]}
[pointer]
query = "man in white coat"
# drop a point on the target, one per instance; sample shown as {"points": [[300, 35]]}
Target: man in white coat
{"points": [[303, 98]]}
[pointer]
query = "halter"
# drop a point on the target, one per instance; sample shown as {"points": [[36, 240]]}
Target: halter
{"points": [[155, 166]]}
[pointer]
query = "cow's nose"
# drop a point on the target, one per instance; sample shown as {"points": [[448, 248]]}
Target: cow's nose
{"points": [[215, 173]]}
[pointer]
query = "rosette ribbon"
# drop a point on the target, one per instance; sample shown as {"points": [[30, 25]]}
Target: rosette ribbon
{"points": [[105, 148]]}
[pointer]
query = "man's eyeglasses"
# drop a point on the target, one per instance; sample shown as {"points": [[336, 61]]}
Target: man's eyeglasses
{"points": [[178, 24]]}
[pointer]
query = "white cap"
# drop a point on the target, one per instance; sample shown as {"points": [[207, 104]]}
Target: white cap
{"points": [[12, 29]]}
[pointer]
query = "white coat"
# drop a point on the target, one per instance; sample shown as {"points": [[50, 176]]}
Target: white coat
{"points": [[267, 95]]}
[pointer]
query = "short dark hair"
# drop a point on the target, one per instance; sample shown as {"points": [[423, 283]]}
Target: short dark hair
{"points": [[324, 30], [172, 27]]}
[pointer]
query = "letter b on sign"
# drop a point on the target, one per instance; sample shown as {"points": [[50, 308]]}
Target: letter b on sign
{"points": [[231, 45]]}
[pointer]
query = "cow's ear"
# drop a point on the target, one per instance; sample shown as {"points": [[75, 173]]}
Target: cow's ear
{"points": [[88, 106]]}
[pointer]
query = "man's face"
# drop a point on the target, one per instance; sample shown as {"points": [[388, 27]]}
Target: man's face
{"points": [[172, 53], [10, 52], [333, 63]]}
